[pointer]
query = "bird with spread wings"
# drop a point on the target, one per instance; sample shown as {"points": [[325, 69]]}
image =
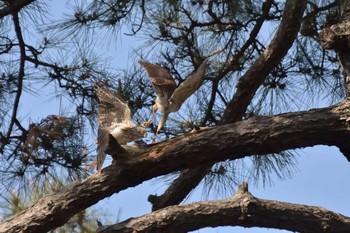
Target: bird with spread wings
{"points": [[114, 118], [170, 97]]}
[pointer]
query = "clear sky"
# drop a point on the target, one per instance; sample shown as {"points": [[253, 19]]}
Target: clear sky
{"points": [[320, 179]]}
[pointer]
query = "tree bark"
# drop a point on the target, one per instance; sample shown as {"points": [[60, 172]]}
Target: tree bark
{"points": [[255, 136], [277, 49], [180, 187], [242, 209], [15, 6], [246, 88], [344, 9]]}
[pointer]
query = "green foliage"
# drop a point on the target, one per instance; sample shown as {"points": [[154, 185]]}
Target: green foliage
{"points": [[63, 54], [83, 222]]}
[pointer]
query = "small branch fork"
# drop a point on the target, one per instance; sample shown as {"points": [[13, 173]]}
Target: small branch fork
{"points": [[242, 209], [254, 136], [246, 88]]}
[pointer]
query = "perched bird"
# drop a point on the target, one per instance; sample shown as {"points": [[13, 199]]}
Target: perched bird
{"points": [[170, 97], [46, 134], [114, 118]]}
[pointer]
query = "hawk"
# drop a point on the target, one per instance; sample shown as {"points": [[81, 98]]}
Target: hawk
{"points": [[170, 97], [114, 118]]}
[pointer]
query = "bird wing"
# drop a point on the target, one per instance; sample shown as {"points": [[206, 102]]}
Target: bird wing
{"points": [[111, 112], [111, 109], [189, 86], [162, 82]]}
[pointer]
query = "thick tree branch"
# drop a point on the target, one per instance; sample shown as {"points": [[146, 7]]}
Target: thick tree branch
{"points": [[266, 6], [15, 6], [337, 38], [255, 136], [179, 188], [256, 74], [242, 209], [246, 87]]}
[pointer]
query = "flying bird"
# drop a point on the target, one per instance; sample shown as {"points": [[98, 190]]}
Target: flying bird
{"points": [[170, 97], [114, 118]]}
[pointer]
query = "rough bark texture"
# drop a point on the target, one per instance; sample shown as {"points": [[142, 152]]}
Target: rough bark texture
{"points": [[234, 139], [242, 209], [258, 135], [337, 38], [256, 74], [246, 88], [179, 188], [344, 9]]}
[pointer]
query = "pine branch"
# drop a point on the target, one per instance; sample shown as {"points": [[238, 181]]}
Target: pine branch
{"points": [[14, 7], [255, 136], [242, 209], [248, 83]]}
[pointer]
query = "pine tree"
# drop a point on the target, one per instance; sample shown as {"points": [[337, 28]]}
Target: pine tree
{"points": [[277, 80]]}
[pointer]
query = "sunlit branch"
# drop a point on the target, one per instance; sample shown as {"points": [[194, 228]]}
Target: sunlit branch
{"points": [[253, 78], [255, 136], [242, 209], [256, 74]]}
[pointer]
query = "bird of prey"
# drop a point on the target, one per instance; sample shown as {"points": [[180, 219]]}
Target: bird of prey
{"points": [[114, 118], [170, 97], [46, 134]]}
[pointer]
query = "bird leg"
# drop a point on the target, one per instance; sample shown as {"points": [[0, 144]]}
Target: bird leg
{"points": [[161, 124], [147, 123]]}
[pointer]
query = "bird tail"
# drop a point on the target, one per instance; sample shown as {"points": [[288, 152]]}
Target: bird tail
{"points": [[102, 144]]}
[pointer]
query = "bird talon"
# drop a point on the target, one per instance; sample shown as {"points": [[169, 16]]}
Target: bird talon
{"points": [[145, 124]]}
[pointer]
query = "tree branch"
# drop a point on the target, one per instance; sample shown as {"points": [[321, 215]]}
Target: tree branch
{"points": [[247, 86], [20, 77], [255, 136], [15, 6], [277, 49], [337, 38], [242, 209], [179, 188]]}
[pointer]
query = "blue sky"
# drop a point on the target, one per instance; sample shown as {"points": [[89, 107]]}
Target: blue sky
{"points": [[321, 179]]}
